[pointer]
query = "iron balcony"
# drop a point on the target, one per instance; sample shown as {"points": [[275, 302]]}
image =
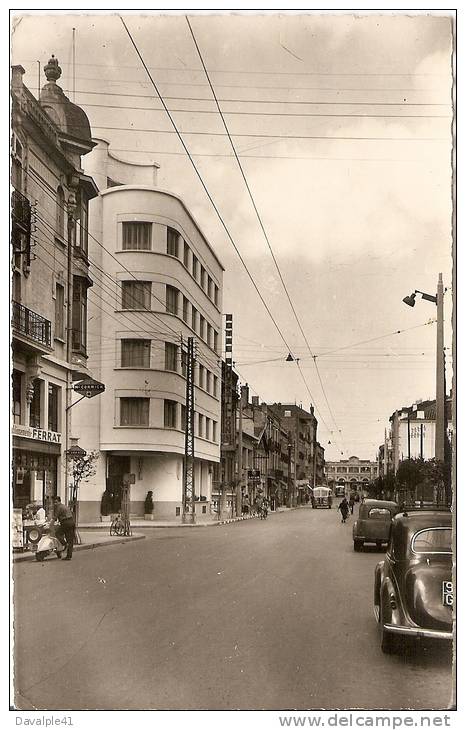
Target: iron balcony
{"points": [[29, 324]]}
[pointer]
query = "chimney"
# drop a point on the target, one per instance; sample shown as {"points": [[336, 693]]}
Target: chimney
{"points": [[17, 77], [255, 401], [244, 395]]}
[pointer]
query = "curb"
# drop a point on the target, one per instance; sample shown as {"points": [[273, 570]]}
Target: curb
{"points": [[88, 546]]}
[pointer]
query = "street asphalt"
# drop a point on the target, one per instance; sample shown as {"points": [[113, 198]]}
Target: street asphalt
{"points": [[273, 614]]}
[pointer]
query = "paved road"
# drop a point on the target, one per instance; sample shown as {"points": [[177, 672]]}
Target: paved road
{"points": [[272, 614]]}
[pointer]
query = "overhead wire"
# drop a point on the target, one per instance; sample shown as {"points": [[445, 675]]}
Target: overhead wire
{"points": [[251, 278], [154, 314], [269, 245]]}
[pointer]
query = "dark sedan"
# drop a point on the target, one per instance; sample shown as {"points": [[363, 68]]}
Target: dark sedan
{"points": [[413, 589]]}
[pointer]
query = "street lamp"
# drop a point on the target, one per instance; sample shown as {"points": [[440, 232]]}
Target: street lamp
{"points": [[440, 424]]}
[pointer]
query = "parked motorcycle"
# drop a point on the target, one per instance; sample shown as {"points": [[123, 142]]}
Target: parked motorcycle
{"points": [[45, 541]]}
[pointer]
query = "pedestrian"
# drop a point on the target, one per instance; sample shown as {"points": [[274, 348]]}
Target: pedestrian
{"points": [[64, 515], [246, 504], [344, 509], [351, 502]]}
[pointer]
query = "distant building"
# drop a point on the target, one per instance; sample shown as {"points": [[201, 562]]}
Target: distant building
{"points": [[162, 284], [301, 426], [412, 431], [50, 279], [352, 474]]}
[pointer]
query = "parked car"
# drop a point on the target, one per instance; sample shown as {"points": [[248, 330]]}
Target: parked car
{"points": [[339, 491], [413, 589], [373, 523], [321, 497]]}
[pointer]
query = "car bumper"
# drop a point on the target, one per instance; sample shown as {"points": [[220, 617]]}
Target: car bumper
{"points": [[421, 633]]}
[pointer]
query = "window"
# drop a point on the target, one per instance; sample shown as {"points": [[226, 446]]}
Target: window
{"points": [[184, 357], [59, 311], [135, 294], [185, 308], [201, 327], [434, 540], [16, 287], [186, 254], [172, 242], [135, 353], [183, 418], [287, 414], [83, 226], [203, 277], [194, 319], [200, 430], [209, 287], [17, 386], [79, 315], [215, 390], [136, 236], [53, 407], [214, 431], [207, 428], [34, 409], [209, 335], [208, 378], [171, 299], [60, 213], [171, 356], [201, 376], [16, 163], [195, 266], [216, 295], [134, 411], [215, 341], [169, 413]]}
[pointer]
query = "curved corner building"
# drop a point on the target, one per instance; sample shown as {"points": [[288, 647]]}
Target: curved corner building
{"points": [[157, 282]]}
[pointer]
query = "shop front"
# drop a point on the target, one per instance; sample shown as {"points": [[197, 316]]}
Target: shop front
{"points": [[35, 463]]}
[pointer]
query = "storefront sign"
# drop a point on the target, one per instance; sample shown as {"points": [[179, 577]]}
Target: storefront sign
{"points": [[37, 434]]}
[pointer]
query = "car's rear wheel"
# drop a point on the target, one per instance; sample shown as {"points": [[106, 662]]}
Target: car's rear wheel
{"points": [[358, 545]]}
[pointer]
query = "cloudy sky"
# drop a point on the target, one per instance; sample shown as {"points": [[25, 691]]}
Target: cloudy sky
{"points": [[342, 125]]}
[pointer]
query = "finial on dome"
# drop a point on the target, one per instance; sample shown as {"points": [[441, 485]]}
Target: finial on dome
{"points": [[52, 70]]}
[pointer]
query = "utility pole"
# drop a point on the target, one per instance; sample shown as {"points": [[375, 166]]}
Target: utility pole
{"points": [[189, 514], [71, 212], [440, 379], [240, 460], [290, 449]]}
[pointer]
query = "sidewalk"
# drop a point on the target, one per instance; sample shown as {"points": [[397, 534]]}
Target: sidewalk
{"points": [[90, 539], [137, 523]]}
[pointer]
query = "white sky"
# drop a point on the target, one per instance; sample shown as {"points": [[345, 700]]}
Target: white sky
{"points": [[355, 224]]}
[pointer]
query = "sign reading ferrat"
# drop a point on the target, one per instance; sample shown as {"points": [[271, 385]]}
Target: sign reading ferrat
{"points": [[38, 434], [89, 388]]}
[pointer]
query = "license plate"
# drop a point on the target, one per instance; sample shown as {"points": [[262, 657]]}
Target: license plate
{"points": [[447, 593]]}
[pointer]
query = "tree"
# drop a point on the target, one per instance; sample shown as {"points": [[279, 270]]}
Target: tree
{"points": [[81, 468]]}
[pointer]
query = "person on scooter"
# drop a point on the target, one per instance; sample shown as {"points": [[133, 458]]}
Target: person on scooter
{"points": [[64, 515]]}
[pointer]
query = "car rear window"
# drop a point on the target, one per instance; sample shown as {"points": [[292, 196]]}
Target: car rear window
{"points": [[433, 540], [378, 513]]}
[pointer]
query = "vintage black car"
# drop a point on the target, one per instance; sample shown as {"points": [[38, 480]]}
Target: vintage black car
{"points": [[373, 523], [413, 589]]}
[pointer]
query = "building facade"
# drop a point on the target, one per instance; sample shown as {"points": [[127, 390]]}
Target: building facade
{"points": [[351, 474], [301, 426], [162, 284], [50, 280]]}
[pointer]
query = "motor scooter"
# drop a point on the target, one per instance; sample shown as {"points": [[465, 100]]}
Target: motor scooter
{"points": [[48, 543]]}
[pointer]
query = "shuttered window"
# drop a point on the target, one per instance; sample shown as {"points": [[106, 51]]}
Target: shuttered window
{"points": [[137, 236]]}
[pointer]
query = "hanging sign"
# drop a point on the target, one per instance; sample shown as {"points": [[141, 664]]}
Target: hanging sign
{"points": [[89, 388]]}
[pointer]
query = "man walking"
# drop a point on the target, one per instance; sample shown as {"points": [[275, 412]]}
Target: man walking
{"points": [[64, 515], [344, 509]]}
